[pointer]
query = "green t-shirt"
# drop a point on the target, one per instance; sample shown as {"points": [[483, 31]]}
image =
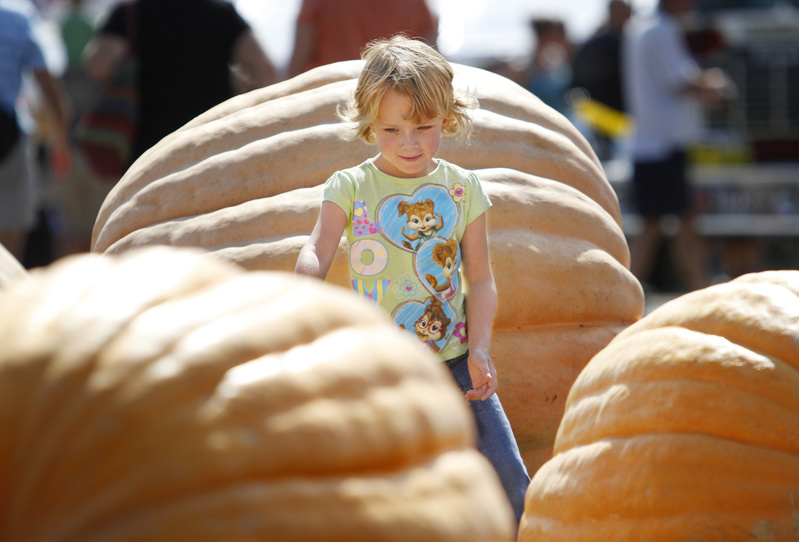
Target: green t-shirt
{"points": [[404, 245], [76, 31]]}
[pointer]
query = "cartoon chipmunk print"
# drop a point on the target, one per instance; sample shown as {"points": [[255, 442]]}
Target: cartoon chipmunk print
{"points": [[432, 325], [446, 256], [421, 219]]}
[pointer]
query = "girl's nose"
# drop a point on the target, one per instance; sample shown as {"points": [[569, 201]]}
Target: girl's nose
{"points": [[409, 141]]}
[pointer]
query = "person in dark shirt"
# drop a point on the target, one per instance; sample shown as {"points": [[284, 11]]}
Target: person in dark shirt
{"points": [[596, 70], [597, 62], [185, 50]]}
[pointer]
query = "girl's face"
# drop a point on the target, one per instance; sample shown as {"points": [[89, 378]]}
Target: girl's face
{"points": [[407, 148]]}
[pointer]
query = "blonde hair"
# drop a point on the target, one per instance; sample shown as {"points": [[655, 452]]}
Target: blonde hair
{"points": [[412, 68]]}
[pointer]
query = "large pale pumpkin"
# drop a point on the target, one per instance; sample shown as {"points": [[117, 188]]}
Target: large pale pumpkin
{"points": [[163, 396], [685, 427], [244, 180]]}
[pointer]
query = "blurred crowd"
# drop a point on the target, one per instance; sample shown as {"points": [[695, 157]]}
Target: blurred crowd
{"points": [[194, 54]]}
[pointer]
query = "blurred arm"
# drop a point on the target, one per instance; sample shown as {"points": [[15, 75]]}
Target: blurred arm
{"points": [[102, 54], [317, 255], [252, 61], [58, 108]]}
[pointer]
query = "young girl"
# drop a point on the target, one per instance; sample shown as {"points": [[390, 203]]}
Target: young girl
{"points": [[416, 227]]}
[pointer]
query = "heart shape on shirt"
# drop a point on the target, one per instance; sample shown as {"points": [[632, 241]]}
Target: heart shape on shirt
{"points": [[409, 221], [429, 264], [431, 321]]}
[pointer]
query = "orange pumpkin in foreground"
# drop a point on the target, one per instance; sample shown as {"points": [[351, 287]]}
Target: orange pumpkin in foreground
{"points": [[164, 396], [245, 180], [686, 427]]}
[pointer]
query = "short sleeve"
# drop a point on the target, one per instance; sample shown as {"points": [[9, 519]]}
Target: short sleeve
{"points": [[479, 201], [340, 189]]}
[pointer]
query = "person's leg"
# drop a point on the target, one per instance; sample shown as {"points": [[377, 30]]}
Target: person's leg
{"points": [[644, 248], [18, 198], [688, 247], [688, 252], [497, 443], [495, 439], [650, 197]]}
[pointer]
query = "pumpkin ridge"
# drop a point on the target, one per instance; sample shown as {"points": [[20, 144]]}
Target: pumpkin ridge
{"points": [[754, 316], [210, 382], [70, 418], [580, 425], [667, 355], [309, 80], [132, 434], [558, 159], [65, 343], [686, 459], [748, 387], [256, 177], [343, 509]]}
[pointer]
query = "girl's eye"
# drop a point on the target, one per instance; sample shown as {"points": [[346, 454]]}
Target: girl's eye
{"points": [[424, 127]]}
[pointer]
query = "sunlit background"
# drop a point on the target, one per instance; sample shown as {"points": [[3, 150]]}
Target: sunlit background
{"points": [[470, 31]]}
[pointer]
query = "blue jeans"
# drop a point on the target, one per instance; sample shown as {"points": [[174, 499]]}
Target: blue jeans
{"points": [[495, 438]]}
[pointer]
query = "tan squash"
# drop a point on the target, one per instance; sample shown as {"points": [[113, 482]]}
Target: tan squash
{"points": [[164, 395], [10, 268], [244, 180], [684, 427]]}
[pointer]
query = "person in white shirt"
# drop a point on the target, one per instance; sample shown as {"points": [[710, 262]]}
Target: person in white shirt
{"points": [[664, 88]]}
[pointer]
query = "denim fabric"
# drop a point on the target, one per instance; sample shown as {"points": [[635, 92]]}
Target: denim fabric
{"points": [[495, 438]]}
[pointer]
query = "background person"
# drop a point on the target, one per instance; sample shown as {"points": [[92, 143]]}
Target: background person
{"points": [[19, 192], [596, 69], [549, 74], [664, 89], [79, 196], [184, 49], [328, 32]]}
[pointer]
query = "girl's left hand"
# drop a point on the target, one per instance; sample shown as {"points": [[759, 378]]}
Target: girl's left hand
{"points": [[483, 375]]}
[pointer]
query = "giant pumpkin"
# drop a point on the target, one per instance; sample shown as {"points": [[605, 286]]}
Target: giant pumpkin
{"points": [[244, 180], [162, 396], [685, 427]]}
